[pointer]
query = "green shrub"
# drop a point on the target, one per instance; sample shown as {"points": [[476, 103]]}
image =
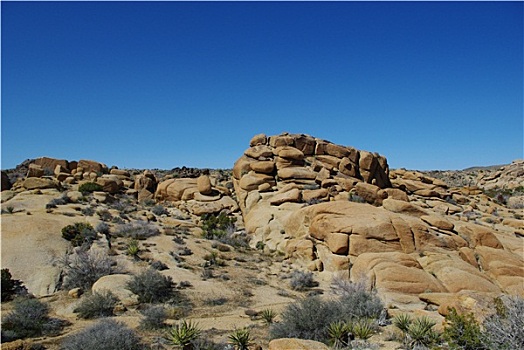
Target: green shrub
{"points": [[152, 287], [416, 332], [340, 333], [106, 334], [159, 210], [79, 233], [363, 328], [137, 230], [268, 315], [11, 287], [98, 304], [89, 187], [216, 226], [83, 268], [462, 331], [29, 318]]}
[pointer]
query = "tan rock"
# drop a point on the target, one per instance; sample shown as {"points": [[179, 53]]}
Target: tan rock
{"points": [[242, 167], [300, 249], [147, 182], [336, 150], [296, 344], [260, 139], [117, 284], [74, 196], [308, 195], [293, 195], [35, 171], [370, 193], [60, 169], [204, 185], [120, 172], [92, 166], [438, 222], [264, 167], [347, 167], [33, 183], [329, 162], [51, 163], [110, 183], [281, 140], [402, 207], [397, 194], [306, 144], [258, 152], [332, 262], [75, 293], [252, 180], [477, 235], [338, 243], [144, 195], [288, 152], [359, 245], [296, 173]]}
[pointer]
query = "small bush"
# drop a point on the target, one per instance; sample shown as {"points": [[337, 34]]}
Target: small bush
{"points": [[363, 328], [301, 280], [159, 210], [82, 269], [158, 265], [104, 215], [504, 329], [463, 331], [356, 300], [268, 315], [154, 317], [152, 287], [308, 318], [216, 226], [89, 187], [88, 211], [98, 304], [79, 233], [418, 332], [102, 228], [133, 248], [53, 203], [340, 334], [137, 230], [29, 318], [107, 334], [10, 286]]}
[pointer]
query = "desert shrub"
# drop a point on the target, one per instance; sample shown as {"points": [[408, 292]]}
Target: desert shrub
{"points": [[340, 334], [158, 265], [53, 203], [79, 233], [356, 300], [98, 304], [353, 197], [308, 318], [83, 268], [89, 187], [10, 286], [29, 318], [462, 331], [184, 334], [216, 226], [107, 334], [240, 339], [268, 315], [104, 215], [159, 210], [88, 211], [154, 317], [133, 248], [301, 280], [137, 230], [152, 287], [504, 329], [102, 228]]}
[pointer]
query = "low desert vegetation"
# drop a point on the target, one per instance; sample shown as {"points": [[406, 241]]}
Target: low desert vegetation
{"points": [[79, 233], [82, 269], [153, 287], [154, 317], [137, 230], [216, 226], [302, 280], [97, 304], [10, 286], [29, 318], [112, 334], [89, 187]]}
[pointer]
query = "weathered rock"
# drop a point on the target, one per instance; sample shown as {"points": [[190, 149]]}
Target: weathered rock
{"points": [[174, 189], [264, 167], [51, 163], [338, 243], [92, 166], [252, 180], [110, 183], [204, 185], [74, 196], [33, 183], [402, 207], [117, 284], [35, 171], [372, 194], [293, 195], [296, 173], [146, 181], [260, 139], [288, 152], [438, 222], [119, 172], [258, 152]]}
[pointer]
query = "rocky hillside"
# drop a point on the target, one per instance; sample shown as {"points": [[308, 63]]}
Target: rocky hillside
{"points": [[424, 241]]}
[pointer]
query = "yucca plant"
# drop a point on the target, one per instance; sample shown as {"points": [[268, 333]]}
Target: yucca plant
{"points": [[363, 328], [402, 322], [340, 333], [240, 339], [268, 315], [133, 248], [182, 334], [421, 332]]}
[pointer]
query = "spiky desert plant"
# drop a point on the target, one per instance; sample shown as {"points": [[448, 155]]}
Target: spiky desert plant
{"points": [[268, 315], [184, 333], [363, 328], [133, 248], [240, 339], [339, 334], [421, 332], [402, 322]]}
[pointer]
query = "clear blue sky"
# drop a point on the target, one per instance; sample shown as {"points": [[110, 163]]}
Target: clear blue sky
{"points": [[165, 84]]}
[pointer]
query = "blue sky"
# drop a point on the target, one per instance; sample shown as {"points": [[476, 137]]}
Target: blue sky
{"points": [[430, 85]]}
